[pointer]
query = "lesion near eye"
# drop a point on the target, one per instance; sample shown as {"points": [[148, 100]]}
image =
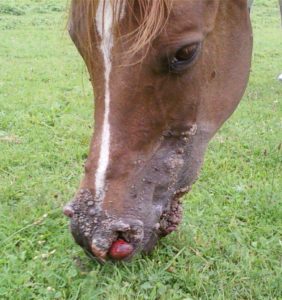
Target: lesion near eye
{"points": [[179, 60]]}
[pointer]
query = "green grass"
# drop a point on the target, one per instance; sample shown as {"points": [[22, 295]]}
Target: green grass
{"points": [[230, 243]]}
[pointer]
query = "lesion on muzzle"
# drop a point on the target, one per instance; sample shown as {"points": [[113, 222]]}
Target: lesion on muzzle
{"points": [[158, 193], [83, 214], [100, 235]]}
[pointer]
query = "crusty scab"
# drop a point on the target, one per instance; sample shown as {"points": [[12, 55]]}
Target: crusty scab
{"points": [[85, 212], [171, 218], [87, 217], [95, 230]]}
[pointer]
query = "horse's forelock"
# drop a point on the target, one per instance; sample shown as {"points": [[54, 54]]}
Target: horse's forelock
{"points": [[149, 15]]}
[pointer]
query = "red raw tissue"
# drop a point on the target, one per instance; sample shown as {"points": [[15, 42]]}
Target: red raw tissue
{"points": [[120, 249]]}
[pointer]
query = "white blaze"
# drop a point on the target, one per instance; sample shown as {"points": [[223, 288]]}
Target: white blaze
{"points": [[104, 22]]}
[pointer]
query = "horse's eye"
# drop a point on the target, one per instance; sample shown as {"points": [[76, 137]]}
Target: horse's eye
{"points": [[186, 53], [183, 58]]}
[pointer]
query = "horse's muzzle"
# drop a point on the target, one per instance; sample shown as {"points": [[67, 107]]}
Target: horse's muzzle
{"points": [[103, 236]]}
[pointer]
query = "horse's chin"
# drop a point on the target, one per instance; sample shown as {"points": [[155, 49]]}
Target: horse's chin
{"points": [[169, 222], [171, 219]]}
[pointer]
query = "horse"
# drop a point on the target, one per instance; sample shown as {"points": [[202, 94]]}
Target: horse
{"points": [[166, 75]]}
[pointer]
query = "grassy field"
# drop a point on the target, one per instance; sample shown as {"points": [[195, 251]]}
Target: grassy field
{"points": [[230, 243]]}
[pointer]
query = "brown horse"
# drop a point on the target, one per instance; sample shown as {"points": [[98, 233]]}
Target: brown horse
{"points": [[166, 75]]}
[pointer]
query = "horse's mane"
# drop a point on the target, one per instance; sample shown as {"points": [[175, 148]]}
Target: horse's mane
{"points": [[149, 15]]}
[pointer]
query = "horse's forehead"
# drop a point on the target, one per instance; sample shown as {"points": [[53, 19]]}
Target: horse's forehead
{"points": [[193, 12], [186, 11], [187, 7]]}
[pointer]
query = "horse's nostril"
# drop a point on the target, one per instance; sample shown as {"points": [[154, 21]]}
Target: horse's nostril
{"points": [[100, 253], [68, 211]]}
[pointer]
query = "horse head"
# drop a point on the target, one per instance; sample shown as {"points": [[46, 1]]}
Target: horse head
{"points": [[166, 75]]}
